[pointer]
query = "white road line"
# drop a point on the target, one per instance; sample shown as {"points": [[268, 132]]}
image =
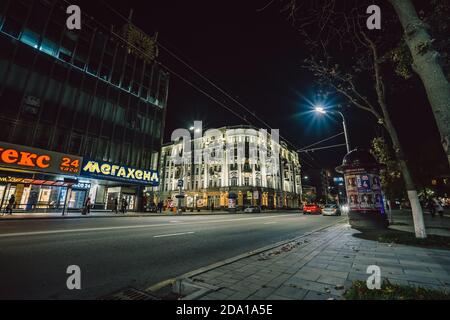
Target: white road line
{"points": [[173, 234], [273, 222], [34, 233]]}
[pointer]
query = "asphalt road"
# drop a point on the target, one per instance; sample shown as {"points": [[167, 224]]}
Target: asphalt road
{"points": [[114, 253]]}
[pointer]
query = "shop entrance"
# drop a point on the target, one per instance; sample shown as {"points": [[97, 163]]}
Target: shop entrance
{"points": [[77, 199], [130, 198], [120, 193]]}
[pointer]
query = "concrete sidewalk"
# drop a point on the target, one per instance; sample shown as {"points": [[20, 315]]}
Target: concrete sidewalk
{"points": [[319, 266], [403, 221]]}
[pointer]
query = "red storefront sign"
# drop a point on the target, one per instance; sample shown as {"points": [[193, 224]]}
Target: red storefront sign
{"points": [[33, 159]]}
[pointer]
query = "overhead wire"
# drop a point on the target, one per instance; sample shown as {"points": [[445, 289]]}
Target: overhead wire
{"points": [[252, 113]]}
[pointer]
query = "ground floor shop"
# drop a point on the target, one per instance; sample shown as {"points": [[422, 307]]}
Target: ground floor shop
{"points": [[33, 179], [49, 193], [36, 193], [238, 198]]}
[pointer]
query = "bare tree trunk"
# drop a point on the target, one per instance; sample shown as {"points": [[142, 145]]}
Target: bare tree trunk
{"points": [[426, 65], [416, 208], [417, 212]]}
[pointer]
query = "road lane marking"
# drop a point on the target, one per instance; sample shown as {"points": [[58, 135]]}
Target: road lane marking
{"points": [[173, 234], [273, 222], [34, 233]]}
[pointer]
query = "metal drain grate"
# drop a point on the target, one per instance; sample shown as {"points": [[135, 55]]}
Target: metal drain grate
{"points": [[129, 294]]}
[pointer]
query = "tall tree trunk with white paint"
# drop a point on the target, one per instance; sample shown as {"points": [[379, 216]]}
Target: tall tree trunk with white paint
{"points": [[417, 212]]}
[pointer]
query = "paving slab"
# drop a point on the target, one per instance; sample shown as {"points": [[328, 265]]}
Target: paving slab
{"points": [[323, 264]]}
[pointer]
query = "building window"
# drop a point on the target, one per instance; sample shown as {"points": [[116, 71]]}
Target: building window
{"points": [[11, 27], [30, 38], [49, 47]]}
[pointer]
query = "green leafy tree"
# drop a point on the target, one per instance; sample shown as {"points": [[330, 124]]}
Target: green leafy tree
{"points": [[391, 176]]}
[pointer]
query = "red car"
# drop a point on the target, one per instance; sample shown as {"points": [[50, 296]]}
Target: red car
{"points": [[312, 208]]}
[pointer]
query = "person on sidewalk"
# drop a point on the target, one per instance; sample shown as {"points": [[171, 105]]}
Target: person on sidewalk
{"points": [[431, 207], [160, 206], [212, 206], [87, 206], [439, 207], [124, 206], [116, 206], [10, 206]]}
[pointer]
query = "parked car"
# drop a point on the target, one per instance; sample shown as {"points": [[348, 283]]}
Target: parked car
{"points": [[252, 209], [312, 208], [331, 210]]}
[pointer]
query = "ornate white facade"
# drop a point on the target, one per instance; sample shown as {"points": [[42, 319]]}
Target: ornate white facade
{"points": [[255, 168]]}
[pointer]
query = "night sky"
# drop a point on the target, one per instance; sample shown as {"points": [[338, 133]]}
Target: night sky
{"points": [[256, 56]]}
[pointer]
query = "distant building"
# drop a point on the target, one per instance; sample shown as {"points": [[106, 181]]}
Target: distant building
{"points": [[309, 194], [82, 95], [320, 180], [206, 183], [337, 189]]}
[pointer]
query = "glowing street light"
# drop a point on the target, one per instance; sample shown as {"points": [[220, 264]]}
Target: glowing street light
{"points": [[320, 109]]}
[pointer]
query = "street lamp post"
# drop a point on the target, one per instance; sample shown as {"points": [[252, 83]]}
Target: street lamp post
{"points": [[344, 125], [320, 109]]}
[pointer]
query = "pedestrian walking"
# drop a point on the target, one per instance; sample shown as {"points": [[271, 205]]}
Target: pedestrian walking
{"points": [[212, 206], [87, 206], [124, 206], [160, 206], [10, 206], [431, 207], [439, 207], [116, 206]]}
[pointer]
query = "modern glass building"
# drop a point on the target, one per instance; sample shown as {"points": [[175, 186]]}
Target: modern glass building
{"points": [[95, 94]]}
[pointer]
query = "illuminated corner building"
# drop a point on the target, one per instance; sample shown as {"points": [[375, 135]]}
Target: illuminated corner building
{"points": [[247, 182], [87, 94]]}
